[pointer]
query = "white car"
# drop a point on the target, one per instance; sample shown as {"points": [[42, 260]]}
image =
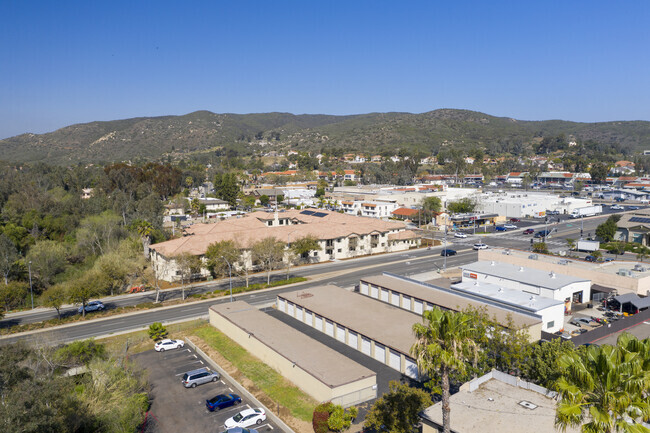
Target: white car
{"points": [[510, 226], [168, 344], [480, 246], [246, 418], [460, 235], [616, 207]]}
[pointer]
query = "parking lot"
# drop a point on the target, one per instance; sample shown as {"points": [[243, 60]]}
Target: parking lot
{"points": [[176, 408]]}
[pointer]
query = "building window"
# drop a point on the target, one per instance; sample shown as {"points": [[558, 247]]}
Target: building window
{"points": [[550, 324]]}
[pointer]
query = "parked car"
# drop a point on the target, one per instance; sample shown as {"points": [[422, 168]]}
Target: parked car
{"points": [[510, 226], [168, 344], [460, 235], [552, 212], [591, 258], [529, 231], [583, 320], [500, 229], [480, 246], [246, 417], [515, 220], [222, 400], [92, 306], [199, 377], [240, 430], [448, 252], [574, 322]]}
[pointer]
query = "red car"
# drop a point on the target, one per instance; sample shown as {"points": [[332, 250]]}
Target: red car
{"points": [[515, 220], [529, 231]]}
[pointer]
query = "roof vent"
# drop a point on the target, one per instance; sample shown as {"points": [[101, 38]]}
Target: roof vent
{"points": [[500, 290], [492, 263], [528, 405], [552, 274], [532, 298], [521, 269]]}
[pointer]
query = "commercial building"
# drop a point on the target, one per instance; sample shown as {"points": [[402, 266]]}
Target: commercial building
{"points": [[620, 276], [339, 236], [550, 285], [381, 331], [369, 208], [522, 204], [417, 296], [497, 402], [321, 372]]}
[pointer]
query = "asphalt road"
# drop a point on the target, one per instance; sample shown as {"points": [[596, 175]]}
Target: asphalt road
{"points": [[344, 274]]}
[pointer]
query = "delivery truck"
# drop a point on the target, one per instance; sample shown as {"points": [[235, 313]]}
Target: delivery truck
{"points": [[589, 246], [586, 211]]}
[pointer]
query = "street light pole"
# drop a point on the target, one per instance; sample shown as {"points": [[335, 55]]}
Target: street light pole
{"points": [[582, 225], [229, 275], [31, 290], [444, 262]]}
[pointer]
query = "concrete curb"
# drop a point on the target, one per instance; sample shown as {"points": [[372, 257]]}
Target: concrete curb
{"points": [[240, 388]]}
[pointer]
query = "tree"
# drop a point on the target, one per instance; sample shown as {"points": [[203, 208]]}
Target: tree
{"points": [[219, 255], [341, 419], [113, 271], [597, 254], [100, 233], [464, 205], [188, 264], [303, 246], [264, 200], [570, 243], [540, 248], [55, 297], [642, 254], [13, 295], [227, 187], [443, 346], [605, 388], [540, 364], [144, 229], [607, 230], [8, 256], [268, 252], [82, 289], [47, 258], [430, 205], [617, 248], [398, 410], [157, 331], [599, 172]]}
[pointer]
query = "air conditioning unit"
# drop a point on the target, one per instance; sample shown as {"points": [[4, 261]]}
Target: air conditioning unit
{"points": [[624, 272], [639, 267], [533, 257]]}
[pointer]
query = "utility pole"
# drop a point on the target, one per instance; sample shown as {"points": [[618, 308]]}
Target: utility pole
{"points": [[229, 275], [31, 290], [444, 263]]}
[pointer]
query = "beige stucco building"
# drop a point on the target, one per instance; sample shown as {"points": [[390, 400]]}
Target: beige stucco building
{"points": [[339, 236], [319, 371]]}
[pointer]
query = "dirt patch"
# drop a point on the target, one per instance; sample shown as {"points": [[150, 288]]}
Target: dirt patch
{"points": [[299, 426]]}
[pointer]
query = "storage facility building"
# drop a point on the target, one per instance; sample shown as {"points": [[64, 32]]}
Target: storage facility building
{"points": [[417, 296], [378, 330], [321, 372]]}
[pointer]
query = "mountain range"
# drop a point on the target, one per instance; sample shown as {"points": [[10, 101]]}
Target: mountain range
{"points": [[154, 138]]}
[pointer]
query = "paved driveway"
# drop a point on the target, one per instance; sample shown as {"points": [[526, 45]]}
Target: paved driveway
{"points": [[179, 409]]}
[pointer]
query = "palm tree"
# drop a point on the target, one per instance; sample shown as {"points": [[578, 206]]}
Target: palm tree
{"points": [[444, 346], [604, 389], [144, 229]]}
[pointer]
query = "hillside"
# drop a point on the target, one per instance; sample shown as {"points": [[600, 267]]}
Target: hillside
{"points": [[151, 138]]}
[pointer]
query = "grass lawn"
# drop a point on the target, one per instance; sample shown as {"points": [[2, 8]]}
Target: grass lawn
{"points": [[139, 341], [264, 377]]}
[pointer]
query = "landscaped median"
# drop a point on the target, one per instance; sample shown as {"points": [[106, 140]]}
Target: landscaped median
{"points": [[144, 306], [266, 384]]}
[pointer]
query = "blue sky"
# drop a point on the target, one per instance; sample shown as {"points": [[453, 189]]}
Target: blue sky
{"points": [[68, 62]]}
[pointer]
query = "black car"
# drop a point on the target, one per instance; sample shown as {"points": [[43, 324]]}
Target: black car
{"points": [[591, 258], [222, 400], [542, 233], [448, 252]]}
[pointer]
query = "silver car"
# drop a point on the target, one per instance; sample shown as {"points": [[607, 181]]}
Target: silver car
{"points": [[199, 377]]}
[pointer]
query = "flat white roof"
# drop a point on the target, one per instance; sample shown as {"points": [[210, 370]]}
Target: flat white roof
{"points": [[527, 301], [533, 277]]}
